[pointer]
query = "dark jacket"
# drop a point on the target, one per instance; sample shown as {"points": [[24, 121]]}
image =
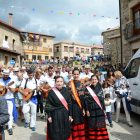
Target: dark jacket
{"points": [[4, 116]]}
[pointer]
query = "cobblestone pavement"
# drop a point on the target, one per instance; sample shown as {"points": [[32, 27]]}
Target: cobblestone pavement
{"points": [[120, 131]]}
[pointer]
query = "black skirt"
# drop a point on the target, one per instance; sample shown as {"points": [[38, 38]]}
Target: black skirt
{"points": [[60, 128], [97, 117]]}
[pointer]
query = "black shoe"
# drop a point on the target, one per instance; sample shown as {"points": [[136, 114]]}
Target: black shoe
{"points": [[111, 125], [10, 131]]}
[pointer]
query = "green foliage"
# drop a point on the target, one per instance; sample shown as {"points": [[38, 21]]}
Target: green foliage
{"points": [[76, 63]]}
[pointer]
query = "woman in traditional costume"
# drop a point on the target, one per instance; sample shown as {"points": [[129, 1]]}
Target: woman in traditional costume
{"points": [[58, 108], [95, 110], [77, 91]]}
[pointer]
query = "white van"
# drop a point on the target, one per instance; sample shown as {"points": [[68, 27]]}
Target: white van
{"points": [[132, 73]]}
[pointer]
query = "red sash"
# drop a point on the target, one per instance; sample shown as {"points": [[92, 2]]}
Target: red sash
{"points": [[75, 94]]}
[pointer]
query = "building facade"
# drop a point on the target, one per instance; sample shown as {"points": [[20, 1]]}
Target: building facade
{"points": [[130, 21], [96, 50], [68, 49], [106, 41], [115, 49], [10, 45], [37, 46]]}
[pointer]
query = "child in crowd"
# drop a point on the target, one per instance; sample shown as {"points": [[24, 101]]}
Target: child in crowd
{"points": [[105, 87], [108, 103]]}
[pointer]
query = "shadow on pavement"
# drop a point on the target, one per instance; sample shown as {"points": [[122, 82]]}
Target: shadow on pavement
{"points": [[123, 136], [36, 136]]}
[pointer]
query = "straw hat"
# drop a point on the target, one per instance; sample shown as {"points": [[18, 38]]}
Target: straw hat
{"points": [[15, 69], [6, 72]]}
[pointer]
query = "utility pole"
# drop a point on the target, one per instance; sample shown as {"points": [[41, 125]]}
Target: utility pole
{"points": [[121, 33]]}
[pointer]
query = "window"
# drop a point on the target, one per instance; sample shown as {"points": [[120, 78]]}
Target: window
{"points": [[66, 48], [136, 19], [44, 49], [98, 52], [13, 41], [50, 49], [44, 40], [46, 57], [26, 57], [133, 68], [6, 38]]}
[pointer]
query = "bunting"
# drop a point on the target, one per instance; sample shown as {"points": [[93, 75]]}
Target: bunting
{"points": [[70, 13]]}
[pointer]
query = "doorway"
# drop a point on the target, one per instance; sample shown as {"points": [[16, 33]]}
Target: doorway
{"points": [[6, 58]]}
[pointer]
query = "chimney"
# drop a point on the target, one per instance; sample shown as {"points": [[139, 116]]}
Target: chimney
{"points": [[10, 19]]}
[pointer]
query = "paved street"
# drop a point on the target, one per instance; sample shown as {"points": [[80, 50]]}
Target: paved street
{"points": [[120, 131]]}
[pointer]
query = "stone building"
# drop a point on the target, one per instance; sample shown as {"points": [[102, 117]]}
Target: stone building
{"points": [[130, 20], [10, 44], [106, 41], [95, 50], [115, 49], [67, 49], [39, 49]]}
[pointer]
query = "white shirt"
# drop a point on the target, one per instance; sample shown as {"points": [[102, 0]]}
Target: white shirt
{"points": [[49, 80], [13, 76], [25, 75], [84, 75], [31, 84], [64, 74], [108, 104], [9, 94]]}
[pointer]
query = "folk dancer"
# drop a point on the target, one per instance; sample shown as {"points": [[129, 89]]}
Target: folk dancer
{"points": [[58, 108], [77, 92], [95, 110], [10, 99]]}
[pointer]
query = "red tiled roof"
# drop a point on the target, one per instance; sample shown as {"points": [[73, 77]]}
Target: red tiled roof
{"points": [[97, 47], [36, 33], [20, 31]]}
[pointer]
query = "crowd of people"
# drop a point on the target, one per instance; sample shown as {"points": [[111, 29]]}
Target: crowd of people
{"points": [[75, 110], [84, 59]]}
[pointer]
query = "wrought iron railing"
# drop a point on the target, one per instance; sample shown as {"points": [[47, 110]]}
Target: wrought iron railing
{"points": [[132, 28]]}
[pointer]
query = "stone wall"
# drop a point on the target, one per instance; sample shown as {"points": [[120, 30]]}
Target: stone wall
{"points": [[115, 50], [129, 47], [106, 41]]}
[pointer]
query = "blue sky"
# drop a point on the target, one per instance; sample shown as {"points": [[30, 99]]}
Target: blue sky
{"points": [[83, 28]]}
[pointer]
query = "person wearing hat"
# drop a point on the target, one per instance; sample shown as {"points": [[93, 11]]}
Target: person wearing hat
{"points": [[15, 73], [87, 73], [24, 73], [10, 99]]}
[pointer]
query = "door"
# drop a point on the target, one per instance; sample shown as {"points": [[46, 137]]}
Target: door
{"points": [[133, 76], [6, 58]]}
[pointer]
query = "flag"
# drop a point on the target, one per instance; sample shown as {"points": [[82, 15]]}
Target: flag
{"points": [[42, 10], [51, 11], [36, 37], [61, 12], [117, 18], [94, 15], [31, 36], [78, 14], [70, 13], [33, 9], [23, 8], [25, 34]]}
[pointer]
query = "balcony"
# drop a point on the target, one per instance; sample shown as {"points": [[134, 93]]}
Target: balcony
{"points": [[77, 52], [34, 43], [10, 46], [132, 31]]}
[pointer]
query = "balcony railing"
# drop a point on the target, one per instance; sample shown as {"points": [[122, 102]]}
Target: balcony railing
{"points": [[132, 29], [34, 43], [10, 46]]}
